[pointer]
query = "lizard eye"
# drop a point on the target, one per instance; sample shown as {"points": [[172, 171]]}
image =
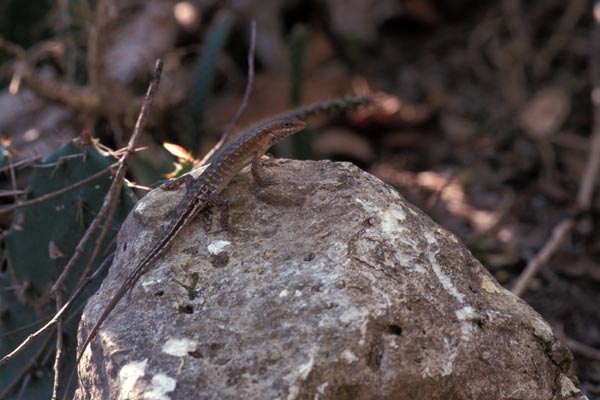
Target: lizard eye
{"points": [[287, 125]]}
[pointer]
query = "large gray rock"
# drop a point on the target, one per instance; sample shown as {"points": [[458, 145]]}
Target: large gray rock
{"points": [[328, 285]]}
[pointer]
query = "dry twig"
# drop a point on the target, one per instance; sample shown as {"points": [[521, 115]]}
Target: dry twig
{"points": [[582, 349], [41, 199], [588, 181], [111, 199], [115, 189], [559, 233], [8, 193], [107, 210], [244, 103], [560, 36], [25, 368], [21, 163], [59, 349], [517, 24], [56, 317], [24, 327]]}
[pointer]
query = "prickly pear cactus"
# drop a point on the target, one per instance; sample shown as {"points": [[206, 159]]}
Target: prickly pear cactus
{"points": [[3, 156], [41, 240], [204, 75]]}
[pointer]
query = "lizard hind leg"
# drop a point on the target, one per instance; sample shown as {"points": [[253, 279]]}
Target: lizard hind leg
{"points": [[223, 204]]}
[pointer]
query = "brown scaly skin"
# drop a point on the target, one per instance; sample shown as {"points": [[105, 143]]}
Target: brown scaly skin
{"points": [[202, 192]]}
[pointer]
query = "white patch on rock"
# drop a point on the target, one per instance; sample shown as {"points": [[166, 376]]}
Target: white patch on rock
{"points": [[447, 235], [465, 315], [448, 365], [409, 258], [129, 374], [160, 386], [142, 206], [284, 293], [491, 315], [489, 285], [179, 347], [304, 369], [218, 247], [368, 207], [542, 329], [148, 283], [406, 247], [353, 316], [321, 388], [567, 387], [426, 373], [391, 218], [337, 251], [349, 356], [293, 393], [437, 269], [302, 372]]}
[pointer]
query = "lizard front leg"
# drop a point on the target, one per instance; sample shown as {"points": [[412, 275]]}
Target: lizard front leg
{"points": [[256, 168], [173, 184]]}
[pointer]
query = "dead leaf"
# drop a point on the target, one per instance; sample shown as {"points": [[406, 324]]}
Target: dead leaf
{"points": [[457, 128], [545, 113], [178, 151], [359, 19], [340, 141], [54, 252]]}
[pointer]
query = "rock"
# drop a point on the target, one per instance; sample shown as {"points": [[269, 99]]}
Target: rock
{"points": [[328, 285]]}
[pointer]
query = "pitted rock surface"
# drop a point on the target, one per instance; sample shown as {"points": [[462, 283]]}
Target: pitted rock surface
{"points": [[327, 285]]}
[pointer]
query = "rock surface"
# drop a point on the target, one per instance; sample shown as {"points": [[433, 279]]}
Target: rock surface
{"points": [[328, 285]]}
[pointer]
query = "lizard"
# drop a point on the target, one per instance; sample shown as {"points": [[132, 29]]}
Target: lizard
{"points": [[204, 190]]}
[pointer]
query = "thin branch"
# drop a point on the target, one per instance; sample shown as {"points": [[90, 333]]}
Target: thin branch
{"points": [[588, 182], [73, 96], [582, 349], [245, 99], [8, 193], [576, 346], [561, 34], [13, 48], [559, 233], [13, 177], [25, 343], [24, 327], [111, 198], [94, 43], [25, 368], [37, 200], [60, 161], [117, 183], [59, 349], [103, 232], [516, 22], [21, 163], [590, 175]]}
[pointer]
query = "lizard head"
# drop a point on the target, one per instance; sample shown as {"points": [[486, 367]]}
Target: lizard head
{"points": [[284, 127]]}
